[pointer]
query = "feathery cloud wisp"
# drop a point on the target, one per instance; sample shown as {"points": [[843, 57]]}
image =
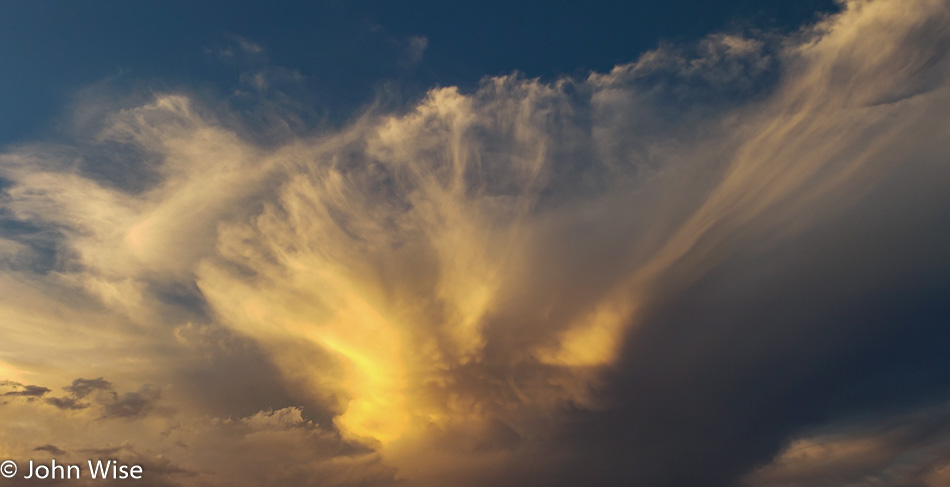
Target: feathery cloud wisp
{"points": [[590, 280]]}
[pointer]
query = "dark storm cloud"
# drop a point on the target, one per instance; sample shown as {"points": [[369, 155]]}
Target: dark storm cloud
{"points": [[722, 374], [847, 318]]}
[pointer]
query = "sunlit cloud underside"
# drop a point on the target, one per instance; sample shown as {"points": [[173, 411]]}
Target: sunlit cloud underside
{"points": [[533, 283]]}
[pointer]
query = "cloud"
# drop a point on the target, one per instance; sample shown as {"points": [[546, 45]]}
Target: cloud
{"points": [[239, 47], [132, 404], [416, 48], [248, 46], [66, 402], [273, 445], [51, 449], [671, 273], [899, 449], [81, 388], [21, 390]]}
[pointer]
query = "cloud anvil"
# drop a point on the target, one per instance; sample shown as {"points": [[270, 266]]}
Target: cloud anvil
{"points": [[723, 263]]}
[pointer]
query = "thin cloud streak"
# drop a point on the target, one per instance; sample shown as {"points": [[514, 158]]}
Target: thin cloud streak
{"points": [[502, 287]]}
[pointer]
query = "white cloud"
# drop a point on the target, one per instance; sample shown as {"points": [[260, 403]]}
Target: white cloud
{"points": [[452, 277]]}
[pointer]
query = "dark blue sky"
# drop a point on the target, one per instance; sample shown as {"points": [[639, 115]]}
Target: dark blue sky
{"points": [[51, 49], [241, 245]]}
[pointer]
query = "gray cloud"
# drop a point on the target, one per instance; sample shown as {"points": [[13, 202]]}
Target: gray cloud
{"points": [[675, 273], [67, 402], [80, 388], [53, 449], [901, 448], [132, 404], [21, 390]]}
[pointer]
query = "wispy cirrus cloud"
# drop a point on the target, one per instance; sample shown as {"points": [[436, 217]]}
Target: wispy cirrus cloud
{"points": [[661, 274]]}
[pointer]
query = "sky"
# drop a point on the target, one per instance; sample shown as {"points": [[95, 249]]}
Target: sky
{"points": [[425, 244]]}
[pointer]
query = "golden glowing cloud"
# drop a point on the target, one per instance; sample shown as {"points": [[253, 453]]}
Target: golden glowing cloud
{"points": [[448, 280]]}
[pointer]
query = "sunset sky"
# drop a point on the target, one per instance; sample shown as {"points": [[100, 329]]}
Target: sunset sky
{"points": [[433, 244]]}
